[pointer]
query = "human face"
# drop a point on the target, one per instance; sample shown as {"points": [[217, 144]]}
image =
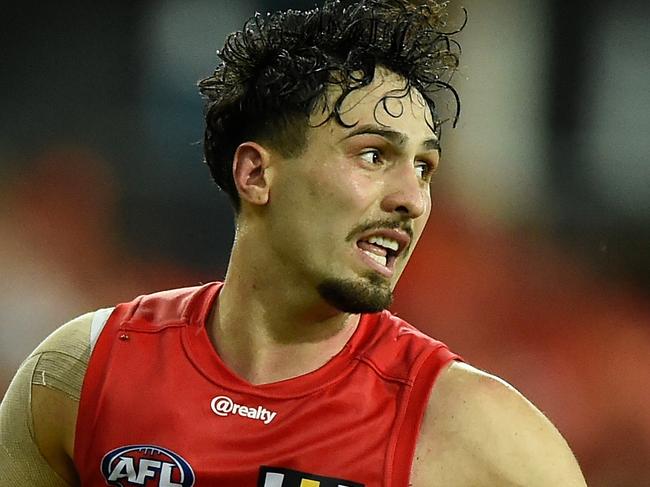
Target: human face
{"points": [[345, 215]]}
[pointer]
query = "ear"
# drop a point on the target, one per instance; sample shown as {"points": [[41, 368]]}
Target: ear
{"points": [[251, 174]]}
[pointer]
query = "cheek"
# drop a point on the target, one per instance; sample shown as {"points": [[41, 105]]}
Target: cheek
{"points": [[427, 211], [359, 188], [420, 223], [341, 190]]}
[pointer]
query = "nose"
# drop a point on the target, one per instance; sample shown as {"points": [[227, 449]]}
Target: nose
{"points": [[405, 193]]}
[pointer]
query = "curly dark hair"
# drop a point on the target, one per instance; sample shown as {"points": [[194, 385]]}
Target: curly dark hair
{"points": [[278, 67]]}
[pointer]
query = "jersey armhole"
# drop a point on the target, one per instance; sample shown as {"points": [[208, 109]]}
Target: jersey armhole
{"points": [[413, 413]]}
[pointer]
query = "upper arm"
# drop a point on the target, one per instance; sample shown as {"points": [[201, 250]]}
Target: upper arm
{"points": [[478, 430], [38, 412]]}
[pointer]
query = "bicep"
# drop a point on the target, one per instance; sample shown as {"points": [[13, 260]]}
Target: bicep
{"points": [[21, 459], [479, 430], [526, 448], [38, 413]]}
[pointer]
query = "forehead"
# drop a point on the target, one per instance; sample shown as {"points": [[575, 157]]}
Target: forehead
{"points": [[387, 101]]}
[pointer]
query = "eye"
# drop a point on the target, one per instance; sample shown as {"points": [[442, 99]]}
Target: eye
{"points": [[371, 156], [423, 170]]}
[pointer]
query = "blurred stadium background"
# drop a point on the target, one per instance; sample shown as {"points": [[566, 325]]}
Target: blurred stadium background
{"points": [[536, 261]]}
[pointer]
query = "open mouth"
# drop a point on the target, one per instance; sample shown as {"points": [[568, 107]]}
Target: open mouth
{"points": [[381, 250]]}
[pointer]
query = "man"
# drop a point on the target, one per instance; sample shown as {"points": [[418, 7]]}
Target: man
{"points": [[322, 128]]}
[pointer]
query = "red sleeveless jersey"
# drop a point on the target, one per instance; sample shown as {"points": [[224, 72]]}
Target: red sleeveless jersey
{"points": [[160, 409]]}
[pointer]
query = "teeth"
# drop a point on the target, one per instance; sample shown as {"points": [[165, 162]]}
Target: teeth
{"points": [[377, 258], [388, 243]]}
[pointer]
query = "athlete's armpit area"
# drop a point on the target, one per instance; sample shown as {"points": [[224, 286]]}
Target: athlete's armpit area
{"points": [[38, 413], [480, 431]]}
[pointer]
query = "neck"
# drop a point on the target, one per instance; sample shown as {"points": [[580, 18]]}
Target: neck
{"points": [[267, 326]]}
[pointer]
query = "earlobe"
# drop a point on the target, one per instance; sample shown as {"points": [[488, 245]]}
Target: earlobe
{"points": [[250, 173]]}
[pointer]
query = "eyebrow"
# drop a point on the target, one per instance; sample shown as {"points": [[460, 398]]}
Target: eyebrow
{"points": [[396, 138]]}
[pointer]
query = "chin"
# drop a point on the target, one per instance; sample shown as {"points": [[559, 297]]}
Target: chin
{"points": [[369, 294]]}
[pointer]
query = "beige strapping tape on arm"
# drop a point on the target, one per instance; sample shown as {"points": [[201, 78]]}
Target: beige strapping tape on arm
{"points": [[64, 357], [58, 363]]}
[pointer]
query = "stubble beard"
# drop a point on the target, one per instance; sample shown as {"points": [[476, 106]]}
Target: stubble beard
{"points": [[370, 294]]}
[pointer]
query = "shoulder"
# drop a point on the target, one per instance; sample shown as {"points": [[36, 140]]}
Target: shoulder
{"points": [[396, 331], [479, 430], [170, 305], [56, 388], [71, 339], [40, 406], [399, 349]]}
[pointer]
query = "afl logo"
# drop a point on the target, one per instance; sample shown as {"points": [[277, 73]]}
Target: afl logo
{"points": [[146, 465]]}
